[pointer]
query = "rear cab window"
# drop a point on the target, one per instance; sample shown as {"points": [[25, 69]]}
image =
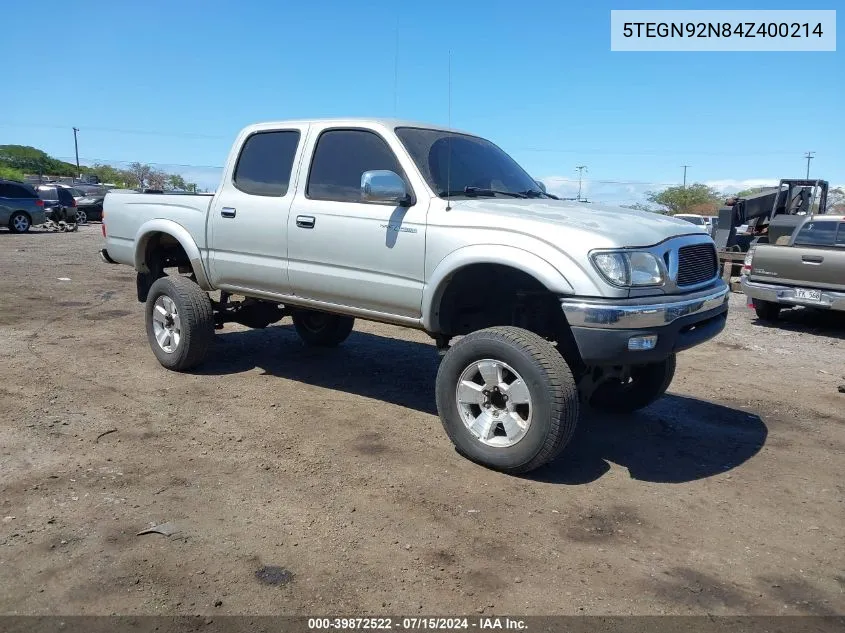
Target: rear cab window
{"points": [[817, 233], [265, 163], [840, 235]]}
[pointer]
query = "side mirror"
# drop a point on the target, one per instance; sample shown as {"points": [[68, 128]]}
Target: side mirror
{"points": [[541, 185], [383, 186]]}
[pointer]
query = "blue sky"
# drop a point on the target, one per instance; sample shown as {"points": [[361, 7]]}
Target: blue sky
{"points": [[172, 83]]}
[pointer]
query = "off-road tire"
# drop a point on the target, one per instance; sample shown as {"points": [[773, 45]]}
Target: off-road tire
{"points": [[766, 310], [16, 219], [551, 386], [321, 329], [196, 317], [647, 384]]}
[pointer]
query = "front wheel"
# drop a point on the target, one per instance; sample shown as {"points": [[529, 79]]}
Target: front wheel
{"points": [[180, 322], [507, 399], [322, 329], [644, 385], [81, 217]]}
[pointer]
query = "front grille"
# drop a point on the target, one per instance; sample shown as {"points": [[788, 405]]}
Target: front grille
{"points": [[696, 264]]}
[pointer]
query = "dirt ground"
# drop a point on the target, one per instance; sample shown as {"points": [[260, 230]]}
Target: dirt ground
{"points": [[724, 497]]}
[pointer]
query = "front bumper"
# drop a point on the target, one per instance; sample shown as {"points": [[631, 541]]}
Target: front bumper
{"points": [[785, 295], [602, 329]]}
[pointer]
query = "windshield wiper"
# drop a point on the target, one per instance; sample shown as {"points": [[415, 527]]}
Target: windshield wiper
{"points": [[479, 191], [537, 193]]}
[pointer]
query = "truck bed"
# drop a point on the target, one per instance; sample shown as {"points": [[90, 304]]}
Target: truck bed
{"points": [[125, 212]]}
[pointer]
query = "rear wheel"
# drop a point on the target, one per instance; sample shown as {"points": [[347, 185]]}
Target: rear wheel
{"points": [[766, 310], [19, 222], [644, 385], [322, 329], [507, 399], [180, 322]]}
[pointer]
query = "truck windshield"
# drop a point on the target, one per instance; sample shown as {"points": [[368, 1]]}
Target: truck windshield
{"points": [[462, 165]]}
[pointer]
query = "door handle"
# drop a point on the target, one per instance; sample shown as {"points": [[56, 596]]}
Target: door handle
{"points": [[305, 221], [812, 259], [228, 212]]}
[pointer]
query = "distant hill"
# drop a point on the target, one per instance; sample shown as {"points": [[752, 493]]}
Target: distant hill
{"points": [[18, 160]]}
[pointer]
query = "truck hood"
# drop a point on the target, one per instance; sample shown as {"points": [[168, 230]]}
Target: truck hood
{"points": [[608, 226]]}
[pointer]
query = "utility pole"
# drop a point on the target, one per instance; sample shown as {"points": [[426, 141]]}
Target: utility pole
{"points": [[580, 169], [809, 157], [76, 148], [685, 175]]}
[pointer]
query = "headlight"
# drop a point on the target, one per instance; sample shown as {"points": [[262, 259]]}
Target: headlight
{"points": [[634, 268]]}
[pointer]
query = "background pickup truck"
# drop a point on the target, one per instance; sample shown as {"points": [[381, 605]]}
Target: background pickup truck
{"points": [[808, 270], [555, 302]]}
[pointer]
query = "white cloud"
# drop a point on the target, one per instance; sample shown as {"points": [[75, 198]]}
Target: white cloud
{"points": [[732, 186], [606, 192]]}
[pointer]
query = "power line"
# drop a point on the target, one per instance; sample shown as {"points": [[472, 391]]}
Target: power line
{"points": [[114, 161], [552, 150], [113, 130]]}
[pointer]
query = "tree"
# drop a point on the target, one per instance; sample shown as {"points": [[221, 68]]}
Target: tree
{"points": [[681, 199], [139, 173], [641, 206], [836, 200], [109, 174], [175, 181], [156, 179]]}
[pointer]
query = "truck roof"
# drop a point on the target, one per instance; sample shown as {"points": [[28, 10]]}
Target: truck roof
{"points": [[354, 122]]}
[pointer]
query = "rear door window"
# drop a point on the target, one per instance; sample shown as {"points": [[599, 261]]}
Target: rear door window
{"points": [[65, 196], [48, 193], [10, 190], [840, 235], [816, 233], [265, 164]]}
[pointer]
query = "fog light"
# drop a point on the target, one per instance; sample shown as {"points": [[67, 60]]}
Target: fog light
{"points": [[640, 343]]}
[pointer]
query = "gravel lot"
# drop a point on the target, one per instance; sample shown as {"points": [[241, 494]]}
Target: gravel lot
{"points": [[724, 497]]}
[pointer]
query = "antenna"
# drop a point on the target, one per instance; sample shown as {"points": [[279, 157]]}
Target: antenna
{"points": [[449, 144], [396, 68]]}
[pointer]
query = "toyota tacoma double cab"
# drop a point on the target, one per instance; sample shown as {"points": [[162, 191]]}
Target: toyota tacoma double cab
{"points": [[537, 305]]}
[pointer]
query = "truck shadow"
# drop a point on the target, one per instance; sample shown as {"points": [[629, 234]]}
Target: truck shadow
{"points": [[675, 440], [809, 321]]}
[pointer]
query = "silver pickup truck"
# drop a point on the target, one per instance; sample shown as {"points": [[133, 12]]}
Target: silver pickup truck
{"points": [[550, 303]]}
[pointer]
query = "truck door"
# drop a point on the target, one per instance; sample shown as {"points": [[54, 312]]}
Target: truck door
{"points": [[248, 226], [347, 252]]}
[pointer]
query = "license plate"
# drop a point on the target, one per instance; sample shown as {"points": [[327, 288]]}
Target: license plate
{"points": [[808, 295]]}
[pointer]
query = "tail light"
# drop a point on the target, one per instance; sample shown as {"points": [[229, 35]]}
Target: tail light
{"points": [[39, 202], [746, 265], [103, 223], [73, 204]]}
